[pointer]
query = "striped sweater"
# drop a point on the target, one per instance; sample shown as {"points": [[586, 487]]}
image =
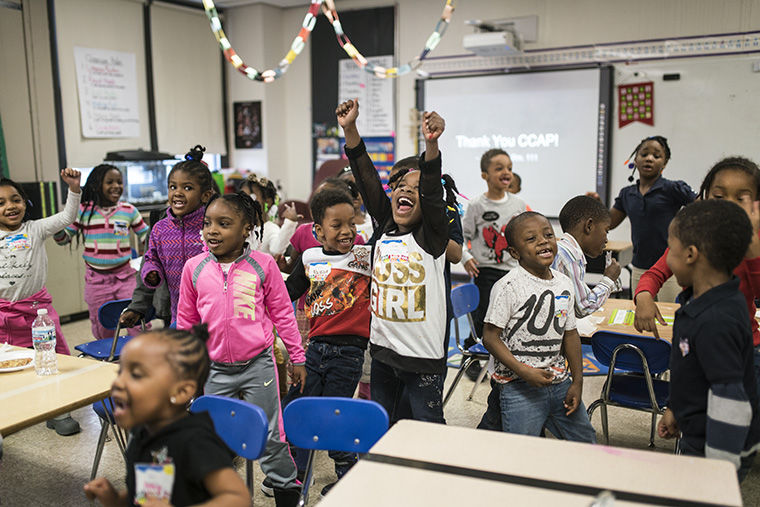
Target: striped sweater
{"points": [[106, 234], [172, 242]]}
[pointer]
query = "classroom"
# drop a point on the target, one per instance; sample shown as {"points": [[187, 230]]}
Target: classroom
{"points": [[219, 170]]}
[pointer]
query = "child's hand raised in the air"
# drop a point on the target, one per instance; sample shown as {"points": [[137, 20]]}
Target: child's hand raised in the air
{"points": [[536, 377], [573, 398], [753, 212], [347, 112], [289, 212], [432, 125], [72, 178], [667, 427], [299, 375], [102, 490]]}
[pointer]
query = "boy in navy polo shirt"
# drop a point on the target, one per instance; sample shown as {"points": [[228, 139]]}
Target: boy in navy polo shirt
{"points": [[650, 204], [713, 395]]}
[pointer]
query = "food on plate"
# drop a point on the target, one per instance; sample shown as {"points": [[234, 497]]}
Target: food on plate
{"points": [[15, 363]]}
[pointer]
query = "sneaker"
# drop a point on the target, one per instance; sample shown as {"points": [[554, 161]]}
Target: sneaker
{"points": [[64, 427], [473, 371], [327, 488], [267, 488]]}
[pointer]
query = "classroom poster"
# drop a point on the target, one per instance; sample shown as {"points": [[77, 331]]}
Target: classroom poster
{"points": [[248, 125], [376, 111], [107, 82], [636, 103]]}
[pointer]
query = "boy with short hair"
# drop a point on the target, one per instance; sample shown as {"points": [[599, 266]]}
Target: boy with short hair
{"points": [[530, 332], [713, 394], [486, 258], [585, 222], [336, 280]]}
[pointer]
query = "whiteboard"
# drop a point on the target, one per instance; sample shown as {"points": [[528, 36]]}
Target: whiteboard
{"points": [[548, 122]]}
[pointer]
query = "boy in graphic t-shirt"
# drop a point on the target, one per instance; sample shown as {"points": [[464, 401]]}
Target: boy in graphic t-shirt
{"points": [[529, 330]]}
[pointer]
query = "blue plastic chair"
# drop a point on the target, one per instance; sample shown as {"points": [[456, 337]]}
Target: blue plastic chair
{"points": [[332, 424], [465, 299], [634, 362], [243, 427], [109, 349]]}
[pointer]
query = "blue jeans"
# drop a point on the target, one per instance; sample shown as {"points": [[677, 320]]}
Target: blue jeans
{"points": [[526, 409], [331, 370], [391, 386]]}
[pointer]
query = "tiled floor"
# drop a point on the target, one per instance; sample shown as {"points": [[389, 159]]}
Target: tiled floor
{"points": [[40, 468]]}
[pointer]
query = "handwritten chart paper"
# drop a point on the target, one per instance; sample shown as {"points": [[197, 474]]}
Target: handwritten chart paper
{"points": [[376, 118], [107, 83]]}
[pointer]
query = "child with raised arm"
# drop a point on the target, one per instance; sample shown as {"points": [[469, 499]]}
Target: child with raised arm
{"points": [[408, 291], [103, 225], [173, 457], [530, 332], [24, 262], [240, 294], [713, 396], [585, 222]]}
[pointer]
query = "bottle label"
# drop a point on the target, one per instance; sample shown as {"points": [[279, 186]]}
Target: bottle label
{"points": [[43, 334]]}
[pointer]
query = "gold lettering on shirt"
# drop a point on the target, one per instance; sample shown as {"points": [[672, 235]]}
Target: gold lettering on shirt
{"points": [[244, 293], [398, 303]]}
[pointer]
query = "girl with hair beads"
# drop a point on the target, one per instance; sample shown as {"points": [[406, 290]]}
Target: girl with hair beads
{"points": [[650, 204], [274, 239], [736, 179], [240, 294], [103, 225], [172, 456], [176, 238], [24, 262], [408, 291]]}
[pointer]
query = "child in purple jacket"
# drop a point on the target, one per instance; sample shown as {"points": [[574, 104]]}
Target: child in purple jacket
{"points": [[176, 238]]}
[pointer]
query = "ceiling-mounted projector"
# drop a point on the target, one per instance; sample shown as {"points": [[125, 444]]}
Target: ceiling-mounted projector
{"points": [[492, 43]]}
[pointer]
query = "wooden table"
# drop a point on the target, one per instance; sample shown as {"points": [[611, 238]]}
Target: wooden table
{"points": [[28, 399], [423, 464], [666, 309]]}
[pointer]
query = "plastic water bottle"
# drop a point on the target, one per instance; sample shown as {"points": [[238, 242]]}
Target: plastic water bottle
{"points": [[43, 338]]}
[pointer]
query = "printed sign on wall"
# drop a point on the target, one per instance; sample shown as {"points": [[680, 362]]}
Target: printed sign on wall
{"points": [[107, 82]]}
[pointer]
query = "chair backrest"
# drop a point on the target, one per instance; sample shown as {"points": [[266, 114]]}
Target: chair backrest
{"points": [[464, 299], [243, 426], [109, 313], [657, 352], [336, 424]]}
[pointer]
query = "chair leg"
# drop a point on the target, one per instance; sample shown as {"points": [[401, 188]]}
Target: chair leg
{"points": [[304, 499], [592, 407], [481, 376], [462, 368], [249, 477], [651, 432], [605, 428], [99, 448]]}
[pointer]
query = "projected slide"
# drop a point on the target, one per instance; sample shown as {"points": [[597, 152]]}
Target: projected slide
{"points": [[546, 121]]}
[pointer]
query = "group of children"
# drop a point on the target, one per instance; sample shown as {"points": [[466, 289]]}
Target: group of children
{"points": [[374, 292]]}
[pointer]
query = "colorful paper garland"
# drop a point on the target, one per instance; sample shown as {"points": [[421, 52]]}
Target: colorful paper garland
{"points": [[271, 74], [328, 8], [299, 42]]}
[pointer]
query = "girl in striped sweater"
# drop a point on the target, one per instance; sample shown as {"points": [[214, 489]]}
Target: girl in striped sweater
{"points": [[103, 224]]}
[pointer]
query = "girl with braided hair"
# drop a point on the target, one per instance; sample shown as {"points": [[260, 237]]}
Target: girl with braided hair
{"points": [[103, 225], [240, 294]]}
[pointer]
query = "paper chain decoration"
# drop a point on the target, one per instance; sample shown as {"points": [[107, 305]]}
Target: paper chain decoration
{"points": [[328, 7]]}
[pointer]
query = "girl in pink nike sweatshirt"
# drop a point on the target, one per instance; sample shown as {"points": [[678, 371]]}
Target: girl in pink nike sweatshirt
{"points": [[240, 295]]}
